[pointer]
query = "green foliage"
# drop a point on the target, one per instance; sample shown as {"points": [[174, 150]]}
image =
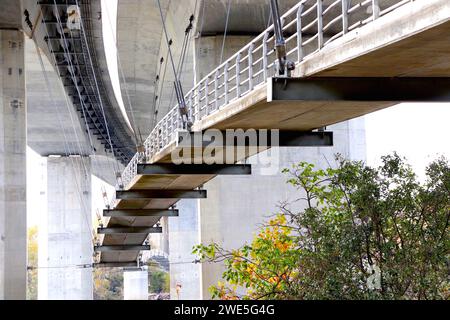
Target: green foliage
{"points": [[362, 233], [108, 284], [32, 276], [158, 280]]}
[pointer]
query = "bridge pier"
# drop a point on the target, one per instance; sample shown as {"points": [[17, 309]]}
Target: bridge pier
{"points": [[65, 238], [183, 235], [135, 285], [13, 228]]}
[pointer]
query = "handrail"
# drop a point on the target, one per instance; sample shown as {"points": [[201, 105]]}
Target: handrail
{"points": [[250, 67]]}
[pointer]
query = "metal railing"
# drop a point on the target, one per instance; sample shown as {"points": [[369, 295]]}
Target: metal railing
{"points": [[308, 27]]}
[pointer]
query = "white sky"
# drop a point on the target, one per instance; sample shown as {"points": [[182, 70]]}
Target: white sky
{"points": [[109, 26], [416, 131]]}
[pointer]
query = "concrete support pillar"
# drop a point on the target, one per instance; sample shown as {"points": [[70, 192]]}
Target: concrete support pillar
{"points": [[183, 235], [13, 230], [135, 285], [65, 233]]}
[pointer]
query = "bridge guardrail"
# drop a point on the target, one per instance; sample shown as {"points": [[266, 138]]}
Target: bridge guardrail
{"points": [[308, 27]]}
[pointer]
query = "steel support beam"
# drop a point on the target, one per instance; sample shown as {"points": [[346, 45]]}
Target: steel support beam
{"points": [[121, 248], [284, 139], [140, 213], [193, 169], [58, 2], [359, 89], [115, 264], [123, 230], [160, 194]]}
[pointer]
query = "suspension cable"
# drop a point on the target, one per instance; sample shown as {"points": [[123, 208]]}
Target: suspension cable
{"points": [[65, 49], [66, 143], [162, 85], [69, 60], [95, 80], [72, 72], [186, 41], [225, 32], [184, 113], [155, 92]]}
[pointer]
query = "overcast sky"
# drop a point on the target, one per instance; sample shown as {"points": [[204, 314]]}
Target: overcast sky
{"points": [[418, 132]]}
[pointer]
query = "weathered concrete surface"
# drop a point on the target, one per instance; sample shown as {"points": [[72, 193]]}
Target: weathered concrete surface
{"points": [[141, 44], [53, 125], [65, 238], [135, 285], [10, 14], [13, 232], [246, 16]]}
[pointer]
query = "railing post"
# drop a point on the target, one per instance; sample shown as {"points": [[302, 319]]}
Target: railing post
{"points": [[300, 53], [319, 24], [238, 71], [165, 133], [216, 89], [265, 53], [225, 81], [206, 96], [344, 16], [197, 104], [171, 124], [174, 125], [191, 101], [159, 138], [375, 9], [250, 66]]}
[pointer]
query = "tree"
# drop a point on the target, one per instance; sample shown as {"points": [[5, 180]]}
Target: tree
{"points": [[364, 233], [108, 284], [158, 278]]}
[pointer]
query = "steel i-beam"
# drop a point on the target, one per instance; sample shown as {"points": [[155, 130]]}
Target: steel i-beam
{"points": [[401, 89], [124, 230], [160, 194], [140, 213], [194, 169], [121, 248]]}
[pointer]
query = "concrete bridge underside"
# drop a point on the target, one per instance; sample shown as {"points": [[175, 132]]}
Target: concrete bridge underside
{"points": [[410, 41]]}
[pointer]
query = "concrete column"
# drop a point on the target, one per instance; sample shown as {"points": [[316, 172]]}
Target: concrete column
{"points": [[135, 285], [183, 235], [65, 243], [13, 230]]}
